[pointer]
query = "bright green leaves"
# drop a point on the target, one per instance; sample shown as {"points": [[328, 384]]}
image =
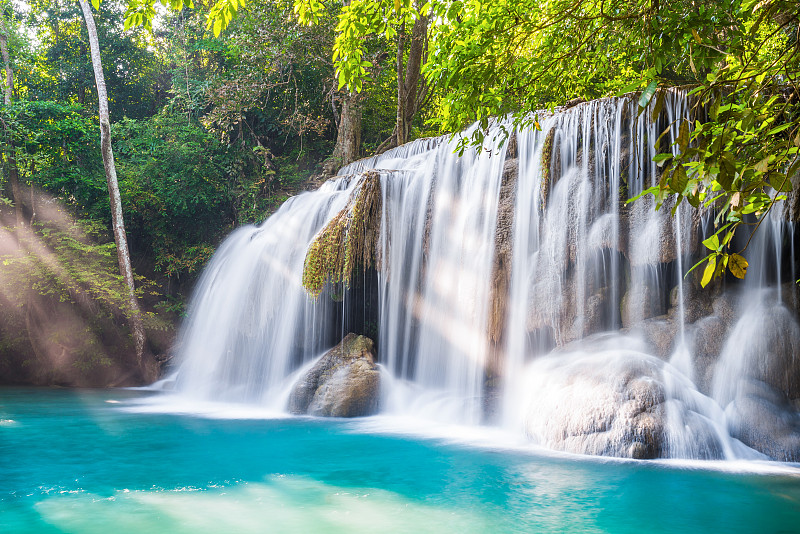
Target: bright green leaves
{"points": [[357, 21], [308, 11], [718, 260], [142, 12], [708, 272], [221, 14]]}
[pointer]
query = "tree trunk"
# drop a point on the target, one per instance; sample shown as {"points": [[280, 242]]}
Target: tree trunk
{"points": [[13, 171], [348, 137], [409, 89], [113, 188], [402, 90], [419, 36]]}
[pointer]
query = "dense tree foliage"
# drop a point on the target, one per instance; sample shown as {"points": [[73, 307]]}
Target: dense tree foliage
{"points": [[740, 58]]}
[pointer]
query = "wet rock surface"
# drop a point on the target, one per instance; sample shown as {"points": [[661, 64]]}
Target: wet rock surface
{"points": [[761, 418], [345, 382], [617, 402], [601, 404]]}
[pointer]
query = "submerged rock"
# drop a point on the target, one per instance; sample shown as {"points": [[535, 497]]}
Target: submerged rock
{"points": [[345, 382]]}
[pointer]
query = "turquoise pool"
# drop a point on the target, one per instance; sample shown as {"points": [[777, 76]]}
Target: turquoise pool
{"points": [[96, 461]]}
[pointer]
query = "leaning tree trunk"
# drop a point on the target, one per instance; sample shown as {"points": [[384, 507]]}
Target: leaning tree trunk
{"points": [[113, 188], [13, 171]]}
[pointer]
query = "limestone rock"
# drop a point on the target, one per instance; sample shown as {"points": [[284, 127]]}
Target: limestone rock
{"points": [[709, 337], [600, 404], [697, 303], [639, 303], [651, 234], [345, 382], [611, 401], [659, 335], [764, 346], [761, 418], [757, 380]]}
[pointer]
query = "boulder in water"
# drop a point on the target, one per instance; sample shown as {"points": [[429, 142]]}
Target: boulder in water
{"points": [[345, 382], [617, 402], [602, 404]]}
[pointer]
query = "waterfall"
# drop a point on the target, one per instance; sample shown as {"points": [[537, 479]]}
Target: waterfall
{"points": [[516, 286], [250, 322]]}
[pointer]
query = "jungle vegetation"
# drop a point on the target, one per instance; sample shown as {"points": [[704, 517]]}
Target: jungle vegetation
{"points": [[221, 110]]}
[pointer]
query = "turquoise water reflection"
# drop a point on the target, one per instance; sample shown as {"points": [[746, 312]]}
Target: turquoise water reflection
{"points": [[77, 461]]}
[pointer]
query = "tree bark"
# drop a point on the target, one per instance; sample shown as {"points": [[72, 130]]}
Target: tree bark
{"points": [[409, 88], [348, 136], [419, 36], [402, 91], [117, 221], [13, 171]]}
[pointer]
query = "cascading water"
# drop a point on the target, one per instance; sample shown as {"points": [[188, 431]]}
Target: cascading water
{"points": [[437, 247], [250, 322], [497, 273]]}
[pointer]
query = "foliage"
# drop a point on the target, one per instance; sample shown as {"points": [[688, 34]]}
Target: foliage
{"points": [[741, 153], [495, 58], [60, 67], [63, 261]]}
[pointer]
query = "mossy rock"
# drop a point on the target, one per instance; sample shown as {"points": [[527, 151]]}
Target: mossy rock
{"points": [[345, 382]]}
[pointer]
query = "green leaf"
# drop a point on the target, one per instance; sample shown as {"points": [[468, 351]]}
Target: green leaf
{"points": [[659, 105], [780, 183], [793, 168], [708, 273], [712, 243], [683, 135], [713, 112], [96, 4], [679, 180], [780, 128], [647, 94], [629, 88]]}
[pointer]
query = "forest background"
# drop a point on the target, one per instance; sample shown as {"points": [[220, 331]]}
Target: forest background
{"points": [[221, 111]]}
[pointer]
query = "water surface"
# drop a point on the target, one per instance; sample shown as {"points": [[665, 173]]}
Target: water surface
{"points": [[96, 461]]}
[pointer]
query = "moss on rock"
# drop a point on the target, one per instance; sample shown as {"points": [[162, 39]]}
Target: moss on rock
{"points": [[348, 241]]}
